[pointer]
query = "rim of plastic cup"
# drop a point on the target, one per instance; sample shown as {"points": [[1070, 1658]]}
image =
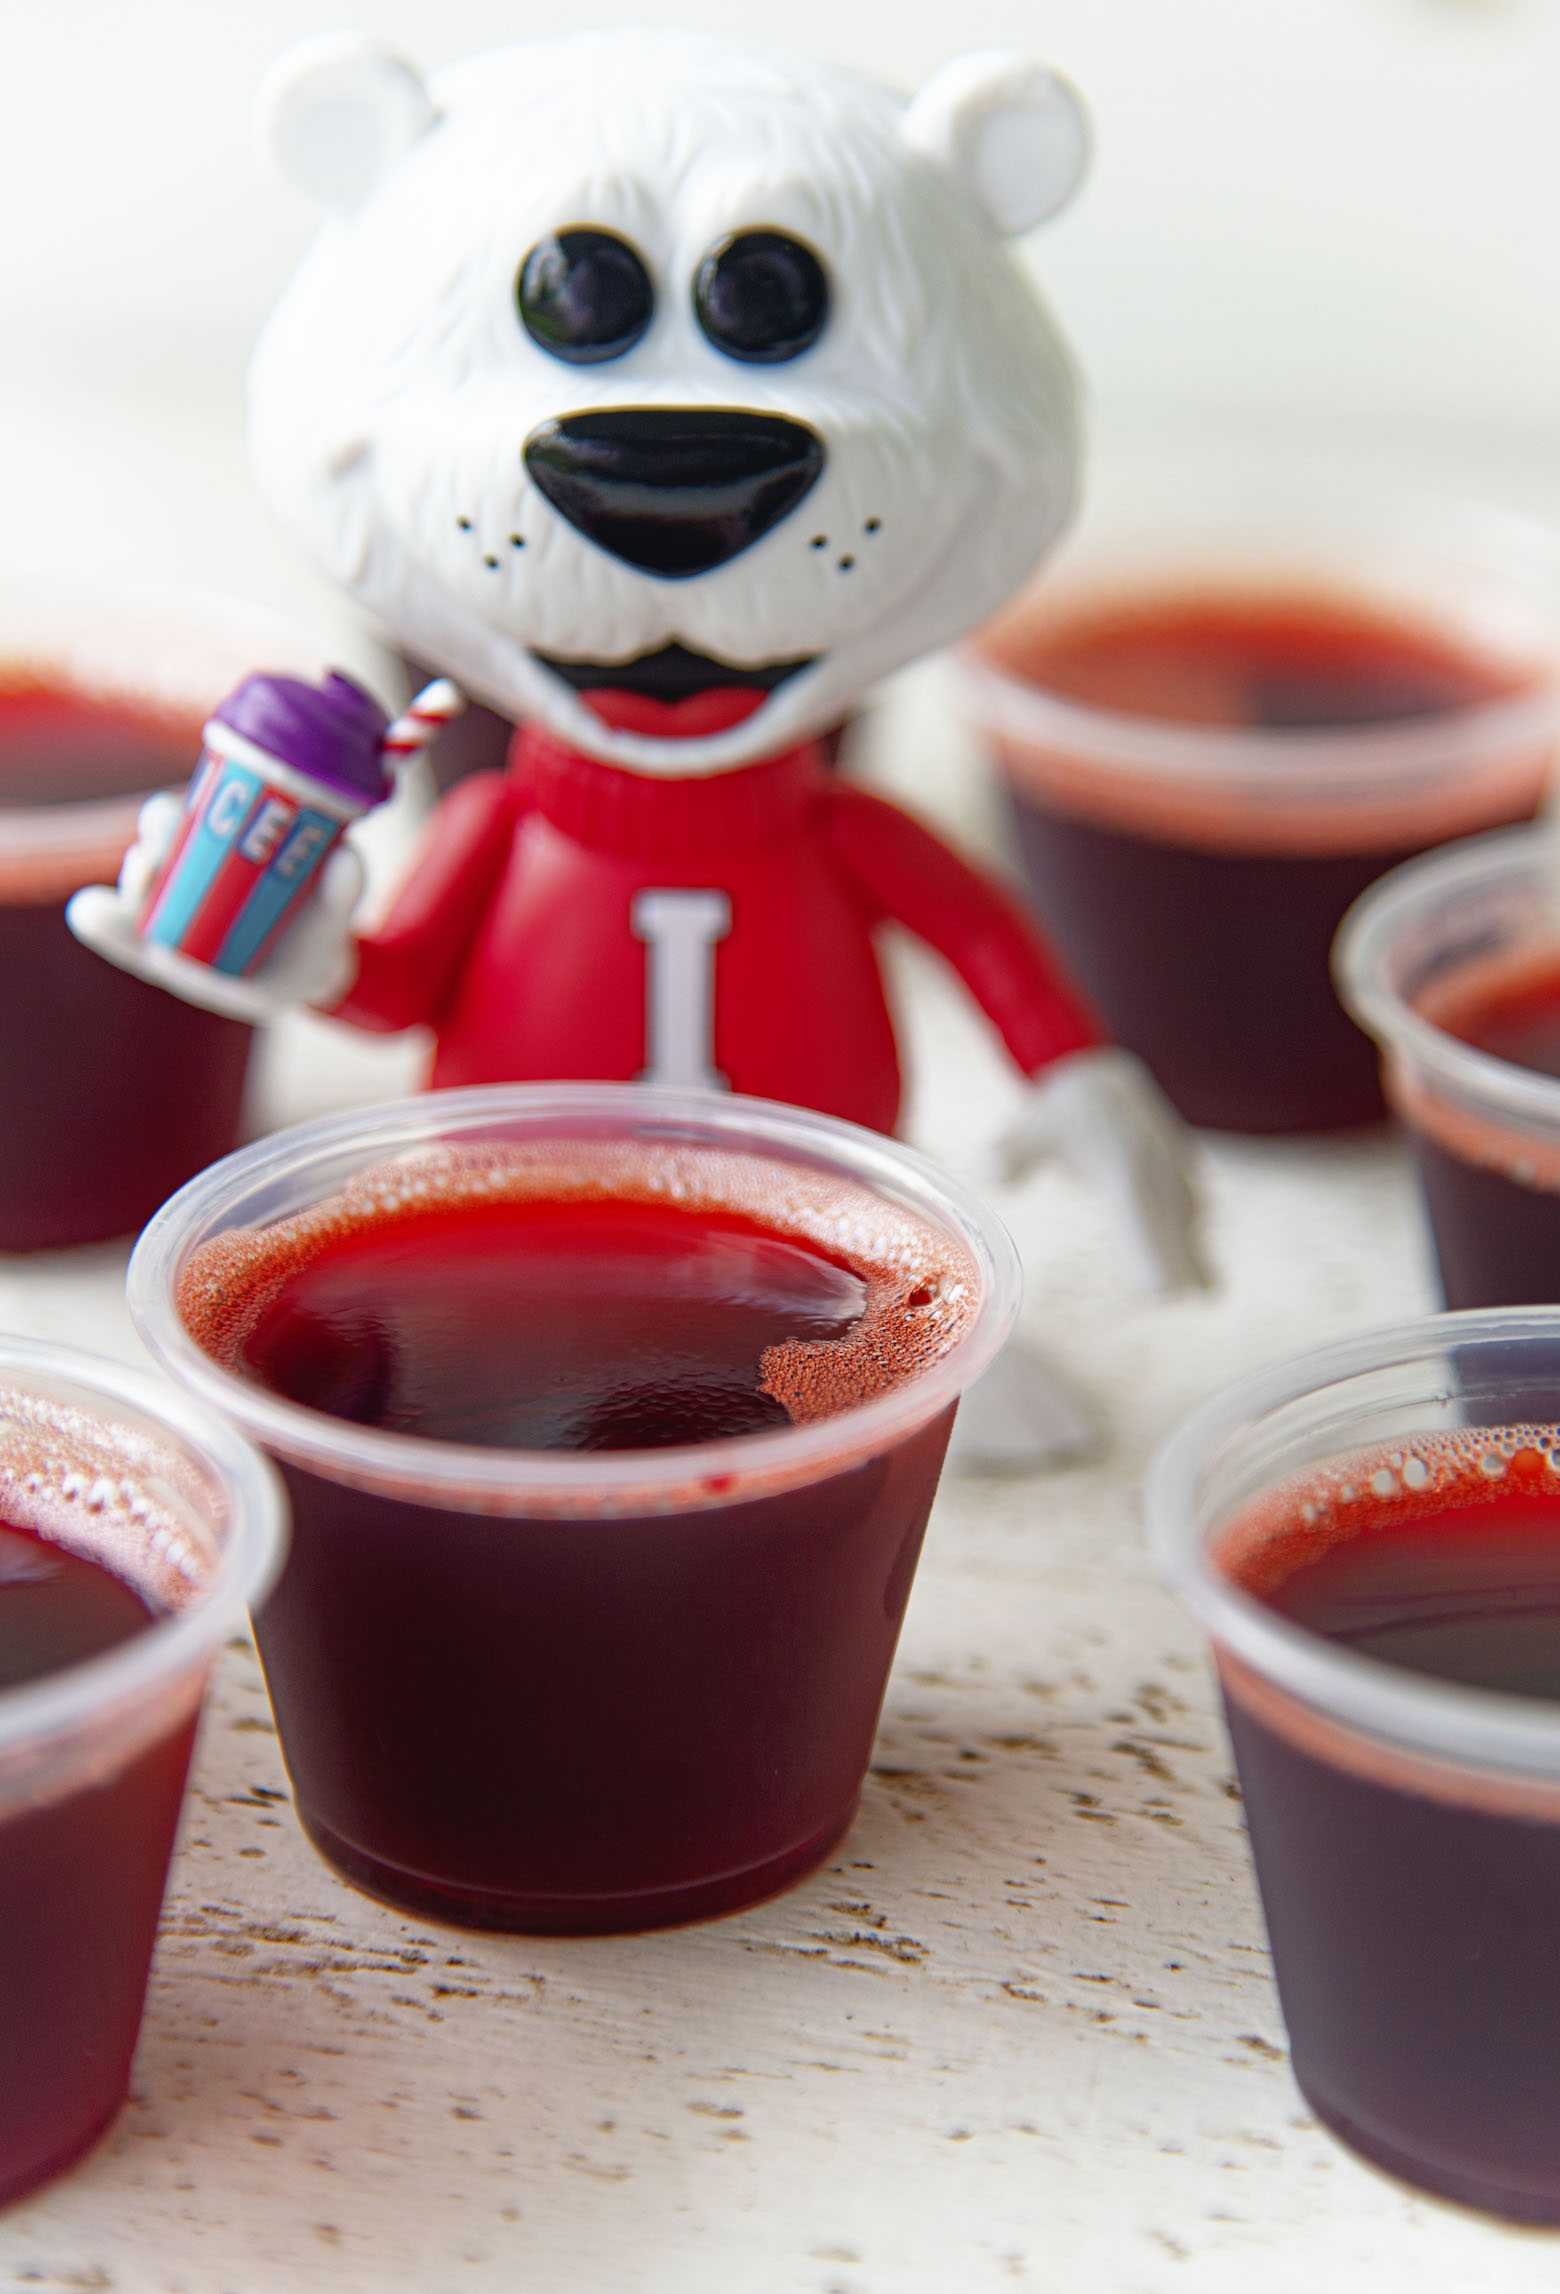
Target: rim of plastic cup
{"points": [[1374, 928], [253, 1544], [294, 1168], [1315, 763], [1282, 509], [1486, 1729]]}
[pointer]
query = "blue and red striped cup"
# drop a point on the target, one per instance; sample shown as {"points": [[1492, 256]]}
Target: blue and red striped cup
{"points": [[285, 766], [251, 839]]}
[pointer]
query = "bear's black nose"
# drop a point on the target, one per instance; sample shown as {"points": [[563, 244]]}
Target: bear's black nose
{"points": [[674, 490]]}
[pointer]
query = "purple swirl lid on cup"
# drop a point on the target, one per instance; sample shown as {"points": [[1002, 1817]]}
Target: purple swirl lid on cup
{"points": [[330, 732]]}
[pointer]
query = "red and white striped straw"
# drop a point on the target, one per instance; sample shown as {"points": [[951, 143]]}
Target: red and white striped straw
{"points": [[423, 721]]}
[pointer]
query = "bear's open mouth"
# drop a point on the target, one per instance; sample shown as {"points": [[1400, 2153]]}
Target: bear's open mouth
{"points": [[673, 694]]}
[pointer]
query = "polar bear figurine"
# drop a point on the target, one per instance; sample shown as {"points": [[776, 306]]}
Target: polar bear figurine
{"points": [[666, 393]]}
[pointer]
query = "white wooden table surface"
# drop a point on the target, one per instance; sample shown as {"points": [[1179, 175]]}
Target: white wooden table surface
{"points": [[1020, 2033]]}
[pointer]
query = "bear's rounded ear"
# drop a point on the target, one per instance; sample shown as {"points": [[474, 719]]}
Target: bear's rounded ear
{"points": [[335, 114], [1014, 133]]}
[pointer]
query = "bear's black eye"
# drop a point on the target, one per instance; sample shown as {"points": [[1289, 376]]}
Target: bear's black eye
{"points": [[584, 295], [761, 296]]}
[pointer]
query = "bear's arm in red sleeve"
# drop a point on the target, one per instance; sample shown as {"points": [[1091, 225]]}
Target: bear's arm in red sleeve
{"points": [[906, 873], [409, 966]]}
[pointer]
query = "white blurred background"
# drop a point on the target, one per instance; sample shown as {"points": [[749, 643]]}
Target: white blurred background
{"points": [[1309, 219]]}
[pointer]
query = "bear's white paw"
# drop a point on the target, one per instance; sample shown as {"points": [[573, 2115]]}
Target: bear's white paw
{"points": [[156, 825], [1019, 1417], [316, 963], [1105, 1115]]}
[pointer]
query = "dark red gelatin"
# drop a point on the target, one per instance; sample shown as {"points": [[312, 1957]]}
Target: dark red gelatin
{"points": [[116, 1092], [1265, 663], [57, 1607], [1414, 1935], [61, 747], [1497, 1240], [1467, 1594], [583, 1726], [1210, 960], [1494, 1207], [81, 1880], [1212, 967], [580, 1724], [591, 1325], [1514, 1017]]}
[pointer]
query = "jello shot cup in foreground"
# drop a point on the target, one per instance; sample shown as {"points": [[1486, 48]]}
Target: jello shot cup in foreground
{"points": [[1237, 697], [1371, 1536], [611, 1419], [134, 1527], [1453, 964]]}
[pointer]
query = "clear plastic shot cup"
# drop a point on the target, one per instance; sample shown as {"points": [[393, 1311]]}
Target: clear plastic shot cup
{"points": [[1404, 1813], [116, 1467], [1469, 940], [116, 1093], [568, 1690], [1235, 698]]}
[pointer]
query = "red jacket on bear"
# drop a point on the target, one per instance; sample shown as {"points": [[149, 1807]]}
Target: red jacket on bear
{"points": [[567, 919]]}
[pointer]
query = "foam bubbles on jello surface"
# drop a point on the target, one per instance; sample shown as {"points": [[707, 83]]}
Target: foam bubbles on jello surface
{"points": [[1306, 1516], [921, 1288], [111, 1491]]}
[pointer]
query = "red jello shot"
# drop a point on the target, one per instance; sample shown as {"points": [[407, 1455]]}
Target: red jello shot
{"points": [[115, 1093], [133, 1529], [1371, 1535], [1229, 706], [611, 1419], [1453, 964]]}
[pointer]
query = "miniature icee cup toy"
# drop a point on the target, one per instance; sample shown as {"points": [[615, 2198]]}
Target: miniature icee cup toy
{"points": [[1437, 943], [566, 1690], [1405, 1825], [116, 1467], [1236, 699], [286, 766]]}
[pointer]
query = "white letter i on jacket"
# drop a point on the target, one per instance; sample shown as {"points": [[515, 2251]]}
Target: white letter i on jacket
{"points": [[680, 931]]}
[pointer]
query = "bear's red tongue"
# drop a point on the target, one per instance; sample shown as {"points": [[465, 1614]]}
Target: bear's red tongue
{"points": [[695, 718]]}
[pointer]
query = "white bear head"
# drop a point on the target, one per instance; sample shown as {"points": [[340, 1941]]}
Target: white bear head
{"points": [[665, 390]]}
